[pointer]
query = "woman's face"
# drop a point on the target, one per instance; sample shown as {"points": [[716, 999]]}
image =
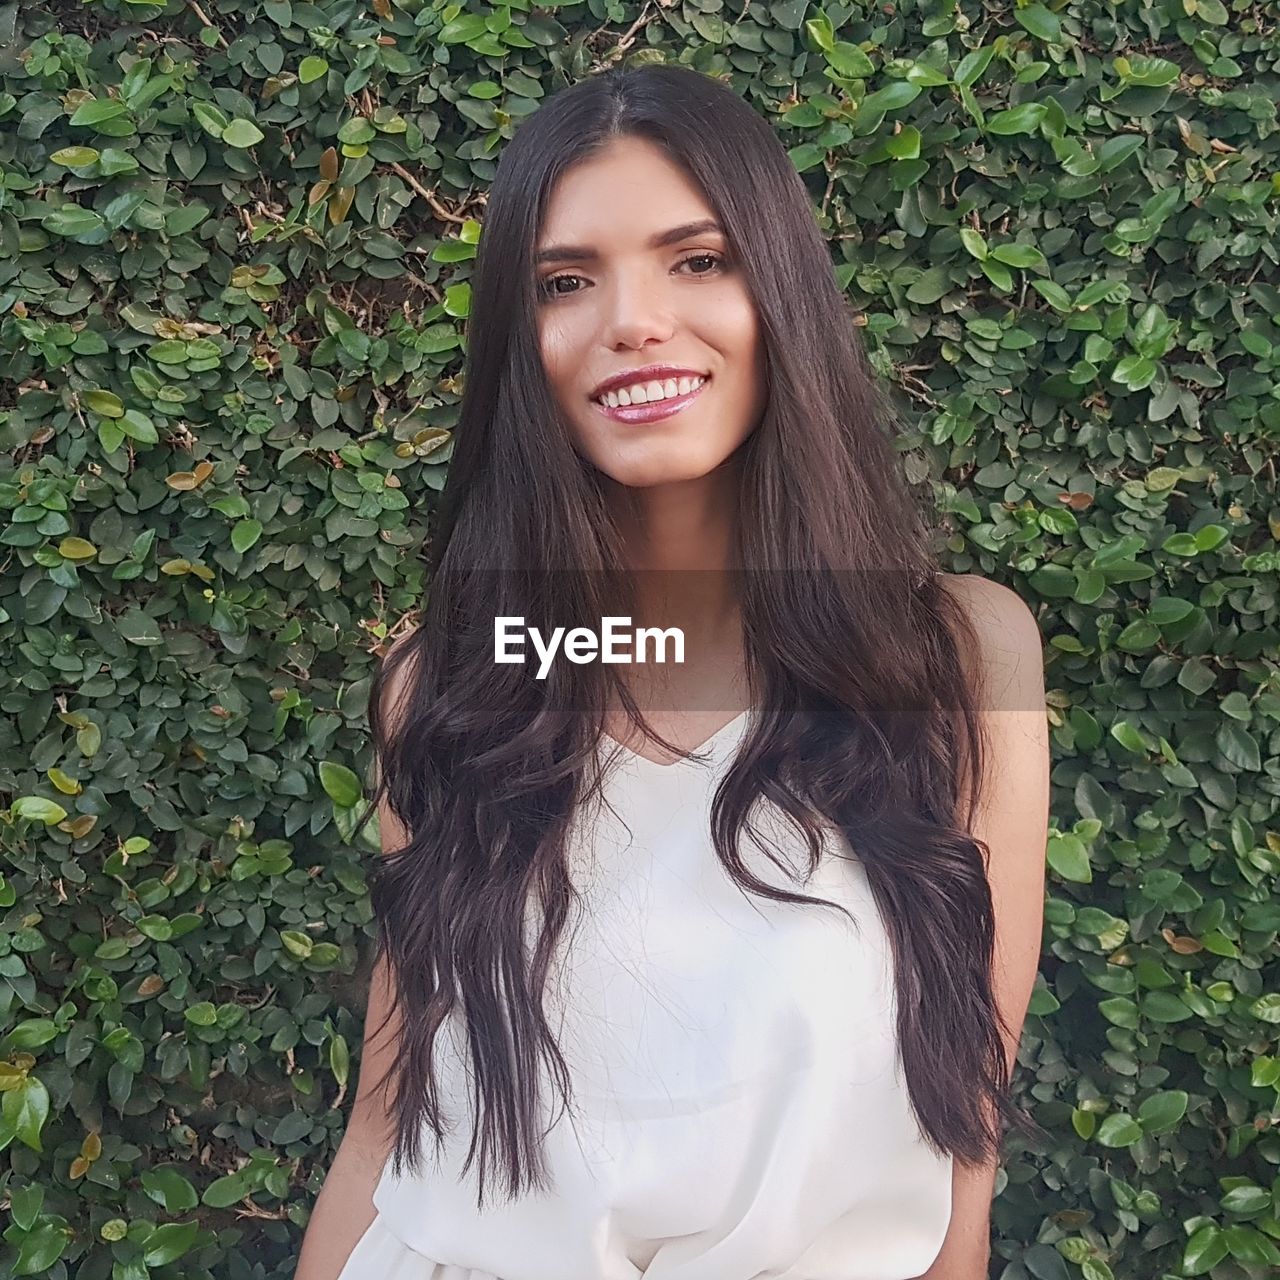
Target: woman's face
{"points": [[616, 295]]}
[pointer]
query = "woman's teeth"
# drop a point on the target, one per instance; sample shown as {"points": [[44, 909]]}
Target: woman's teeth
{"points": [[648, 392]]}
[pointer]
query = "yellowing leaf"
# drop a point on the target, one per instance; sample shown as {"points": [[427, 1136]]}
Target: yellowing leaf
{"points": [[74, 157], [76, 549], [67, 785], [242, 134], [106, 403], [340, 203]]}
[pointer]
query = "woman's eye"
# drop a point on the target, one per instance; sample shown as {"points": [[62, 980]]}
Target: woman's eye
{"points": [[548, 289], [704, 257]]}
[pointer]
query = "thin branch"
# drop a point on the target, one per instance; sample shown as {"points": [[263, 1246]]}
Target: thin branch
{"points": [[429, 196], [200, 13]]}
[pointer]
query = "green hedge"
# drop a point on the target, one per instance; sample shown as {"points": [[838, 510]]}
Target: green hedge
{"points": [[233, 290]]}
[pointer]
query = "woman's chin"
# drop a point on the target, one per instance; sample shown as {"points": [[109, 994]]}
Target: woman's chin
{"points": [[643, 464], [648, 473]]}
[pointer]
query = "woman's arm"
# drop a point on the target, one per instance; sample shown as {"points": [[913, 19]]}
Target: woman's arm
{"points": [[344, 1208], [1013, 821]]}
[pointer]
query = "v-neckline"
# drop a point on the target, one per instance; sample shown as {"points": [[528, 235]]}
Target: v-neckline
{"points": [[667, 765]]}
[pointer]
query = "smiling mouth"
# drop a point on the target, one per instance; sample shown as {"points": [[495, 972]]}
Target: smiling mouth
{"points": [[652, 410], [704, 378]]}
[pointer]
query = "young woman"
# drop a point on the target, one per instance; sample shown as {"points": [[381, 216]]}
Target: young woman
{"points": [[667, 419]]}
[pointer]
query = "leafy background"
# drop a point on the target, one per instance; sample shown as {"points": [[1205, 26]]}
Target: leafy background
{"points": [[236, 241]]}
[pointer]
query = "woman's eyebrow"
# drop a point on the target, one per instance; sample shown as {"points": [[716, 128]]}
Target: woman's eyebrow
{"points": [[584, 253]]}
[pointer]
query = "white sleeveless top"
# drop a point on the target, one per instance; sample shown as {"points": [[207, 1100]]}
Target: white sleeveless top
{"points": [[739, 1110]]}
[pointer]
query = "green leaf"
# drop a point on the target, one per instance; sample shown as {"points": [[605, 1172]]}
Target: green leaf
{"points": [[470, 26], [312, 69], [41, 1248], [1040, 22], [1180, 544], [1161, 1112], [137, 426], [1167, 610], [211, 119], [324, 955], [1140, 634], [1088, 586], [296, 943], [1238, 746], [1019, 255], [1210, 536], [1024, 118], [31, 1033], [226, 1191], [1135, 372], [924, 73], [356, 131], [1204, 1250], [904, 145], [156, 928], [245, 534], [931, 285], [38, 809], [1267, 1008], [293, 1127], [1159, 479], [242, 133], [1249, 1246], [137, 628], [113, 161], [340, 784], [821, 32], [169, 1189], [98, 111], [999, 276], [24, 1205], [850, 61], [1056, 520], [168, 1242], [1118, 1130], [1128, 737], [1248, 1200], [1120, 1011], [171, 351], [24, 1109], [177, 222], [1164, 1006], [1069, 857], [339, 1058], [894, 95], [1085, 1123], [973, 64], [71, 220], [1054, 294]]}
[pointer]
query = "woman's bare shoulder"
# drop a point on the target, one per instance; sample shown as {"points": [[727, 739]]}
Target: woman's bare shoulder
{"points": [[396, 673], [1010, 654], [989, 604]]}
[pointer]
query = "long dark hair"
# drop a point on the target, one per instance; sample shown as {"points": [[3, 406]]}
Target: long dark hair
{"points": [[866, 711]]}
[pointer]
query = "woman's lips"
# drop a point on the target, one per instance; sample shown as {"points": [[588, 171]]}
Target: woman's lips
{"points": [[655, 412]]}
